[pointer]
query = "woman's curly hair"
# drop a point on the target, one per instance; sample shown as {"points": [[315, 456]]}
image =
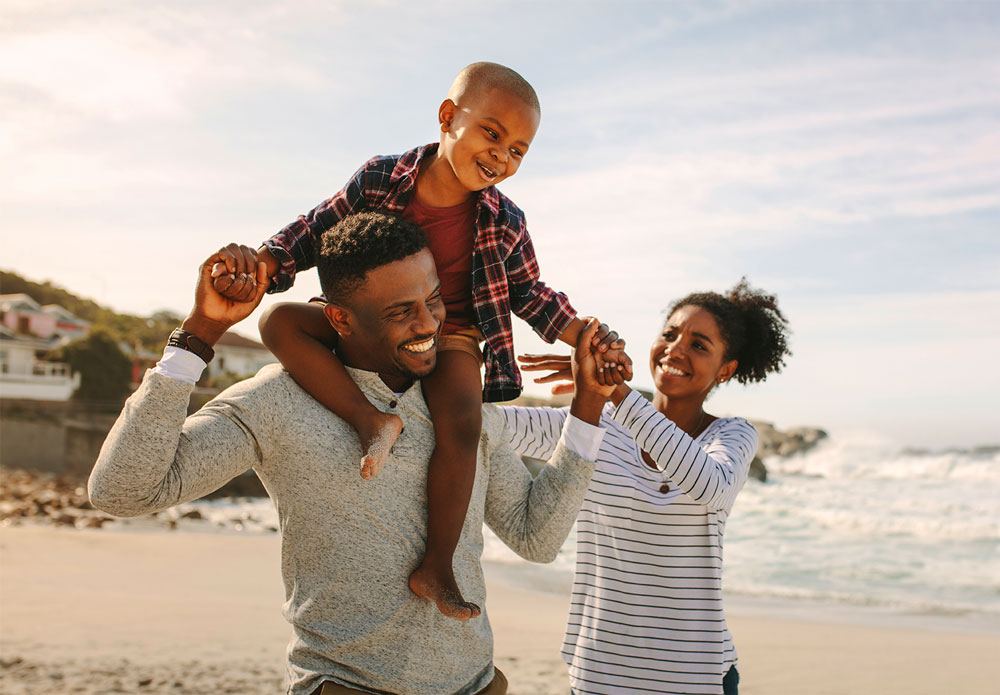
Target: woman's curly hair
{"points": [[752, 326]]}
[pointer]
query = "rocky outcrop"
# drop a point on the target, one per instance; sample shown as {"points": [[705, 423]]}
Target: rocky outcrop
{"points": [[786, 443], [774, 442]]}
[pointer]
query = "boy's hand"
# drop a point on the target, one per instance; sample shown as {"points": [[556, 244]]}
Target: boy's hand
{"points": [[614, 366], [234, 274]]}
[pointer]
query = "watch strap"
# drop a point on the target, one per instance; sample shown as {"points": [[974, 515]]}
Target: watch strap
{"points": [[192, 343]]}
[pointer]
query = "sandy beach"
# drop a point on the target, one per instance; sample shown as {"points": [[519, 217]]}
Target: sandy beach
{"points": [[121, 611]]}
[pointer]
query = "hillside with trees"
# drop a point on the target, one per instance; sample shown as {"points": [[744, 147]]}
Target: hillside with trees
{"points": [[142, 333]]}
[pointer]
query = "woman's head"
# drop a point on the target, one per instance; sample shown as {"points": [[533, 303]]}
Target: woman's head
{"points": [[709, 338]]}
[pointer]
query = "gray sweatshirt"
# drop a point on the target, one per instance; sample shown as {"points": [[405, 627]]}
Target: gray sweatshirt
{"points": [[348, 545]]}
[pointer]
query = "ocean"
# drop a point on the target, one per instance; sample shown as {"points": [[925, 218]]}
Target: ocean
{"points": [[855, 521]]}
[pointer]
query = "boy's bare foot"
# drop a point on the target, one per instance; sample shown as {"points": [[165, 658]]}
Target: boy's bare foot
{"points": [[378, 433], [443, 591]]}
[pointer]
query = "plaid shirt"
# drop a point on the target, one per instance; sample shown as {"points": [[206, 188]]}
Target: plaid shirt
{"points": [[504, 267]]}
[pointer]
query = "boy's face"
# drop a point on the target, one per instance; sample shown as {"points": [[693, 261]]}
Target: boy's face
{"points": [[485, 137]]}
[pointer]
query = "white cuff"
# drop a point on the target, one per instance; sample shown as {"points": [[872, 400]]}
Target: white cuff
{"points": [[180, 364], [582, 438]]}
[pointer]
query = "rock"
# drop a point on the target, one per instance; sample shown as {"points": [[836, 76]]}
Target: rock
{"points": [[65, 519], [792, 441], [757, 470], [192, 514]]}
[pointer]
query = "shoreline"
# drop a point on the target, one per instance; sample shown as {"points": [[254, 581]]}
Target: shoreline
{"points": [[140, 611]]}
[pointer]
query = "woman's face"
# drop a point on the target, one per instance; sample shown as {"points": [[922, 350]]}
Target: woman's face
{"points": [[688, 358]]}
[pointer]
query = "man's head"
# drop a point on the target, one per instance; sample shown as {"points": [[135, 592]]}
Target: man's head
{"points": [[384, 296], [487, 122]]}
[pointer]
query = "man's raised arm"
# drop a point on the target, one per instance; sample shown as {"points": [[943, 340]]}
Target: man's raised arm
{"points": [[153, 458]]}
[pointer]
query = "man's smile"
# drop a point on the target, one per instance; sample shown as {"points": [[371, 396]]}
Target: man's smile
{"points": [[422, 346]]}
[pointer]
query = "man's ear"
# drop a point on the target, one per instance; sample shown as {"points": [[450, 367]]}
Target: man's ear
{"points": [[446, 114], [340, 317]]}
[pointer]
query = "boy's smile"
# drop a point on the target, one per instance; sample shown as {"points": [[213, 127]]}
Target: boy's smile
{"points": [[483, 140]]}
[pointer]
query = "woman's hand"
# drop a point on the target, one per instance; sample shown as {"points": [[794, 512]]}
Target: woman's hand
{"points": [[562, 368], [559, 365]]}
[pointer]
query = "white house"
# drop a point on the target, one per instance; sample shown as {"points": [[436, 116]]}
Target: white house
{"points": [[23, 375], [238, 356]]}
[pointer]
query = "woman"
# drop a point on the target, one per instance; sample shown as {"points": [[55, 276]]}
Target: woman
{"points": [[646, 612]]}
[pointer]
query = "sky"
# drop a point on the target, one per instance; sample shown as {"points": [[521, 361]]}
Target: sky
{"points": [[844, 156]]}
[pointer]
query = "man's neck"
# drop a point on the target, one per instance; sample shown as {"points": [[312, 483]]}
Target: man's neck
{"points": [[396, 384]]}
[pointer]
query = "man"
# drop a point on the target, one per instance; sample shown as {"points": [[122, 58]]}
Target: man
{"points": [[348, 544]]}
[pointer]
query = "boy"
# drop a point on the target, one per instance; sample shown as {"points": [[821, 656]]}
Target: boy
{"points": [[487, 267]]}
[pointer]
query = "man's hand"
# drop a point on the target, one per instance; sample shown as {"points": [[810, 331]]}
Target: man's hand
{"points": [[213, 314], [234, 273], [591, 392], [613, 365]]}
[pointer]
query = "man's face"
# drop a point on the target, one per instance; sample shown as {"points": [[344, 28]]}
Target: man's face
{"points": [[395, 317]]}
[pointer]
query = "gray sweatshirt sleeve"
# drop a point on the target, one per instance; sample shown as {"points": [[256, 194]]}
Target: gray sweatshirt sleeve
{"points": [[532, 516], [156, 457]]}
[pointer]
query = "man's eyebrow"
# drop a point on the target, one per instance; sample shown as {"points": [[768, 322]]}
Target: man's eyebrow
{"points": [[407, 303], [397, 305]]}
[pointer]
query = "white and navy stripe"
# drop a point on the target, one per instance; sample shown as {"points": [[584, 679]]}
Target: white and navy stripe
{"points": [[646, 611]]}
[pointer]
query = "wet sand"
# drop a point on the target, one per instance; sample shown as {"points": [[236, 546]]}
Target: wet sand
{"points": [[119, 611]]}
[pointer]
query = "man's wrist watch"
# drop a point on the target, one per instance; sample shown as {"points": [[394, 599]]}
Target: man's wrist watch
{"points": [[192, 343]]}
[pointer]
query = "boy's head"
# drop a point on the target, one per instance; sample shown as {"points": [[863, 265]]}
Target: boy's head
{"points": [[384, 295], [487, 124]]}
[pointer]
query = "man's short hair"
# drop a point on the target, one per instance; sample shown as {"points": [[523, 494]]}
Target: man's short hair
{"points": [[360, 243], [481, 77]]}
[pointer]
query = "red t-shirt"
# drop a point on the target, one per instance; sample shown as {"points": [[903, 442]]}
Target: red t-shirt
{"points": [[450, 235]]}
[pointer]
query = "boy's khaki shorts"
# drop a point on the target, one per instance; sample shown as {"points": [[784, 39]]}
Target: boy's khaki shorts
{"points": [[498, 686], [465, 339]]}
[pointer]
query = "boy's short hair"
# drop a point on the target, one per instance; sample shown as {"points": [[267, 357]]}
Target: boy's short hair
{"points": [[360, 243], [483, 76]]}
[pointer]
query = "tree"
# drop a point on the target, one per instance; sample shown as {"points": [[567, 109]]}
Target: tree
{"points": [[105, 372]]}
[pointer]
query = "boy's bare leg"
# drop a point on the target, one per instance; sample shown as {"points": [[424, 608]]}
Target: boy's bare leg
{"points": [[454, 397], [300, 336]]}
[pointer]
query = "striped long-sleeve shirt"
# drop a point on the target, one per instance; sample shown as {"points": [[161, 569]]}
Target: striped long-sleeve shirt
{"points": [[646, 612]]}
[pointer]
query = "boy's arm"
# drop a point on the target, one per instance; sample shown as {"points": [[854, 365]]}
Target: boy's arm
{"points": [[293, 248], [545, 310], [550, 313], [303, 340]]}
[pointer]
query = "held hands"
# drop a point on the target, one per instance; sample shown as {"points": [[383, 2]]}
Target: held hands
{"points": [[585, 363], [234, 273], [613, 365], [213, 313]]}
